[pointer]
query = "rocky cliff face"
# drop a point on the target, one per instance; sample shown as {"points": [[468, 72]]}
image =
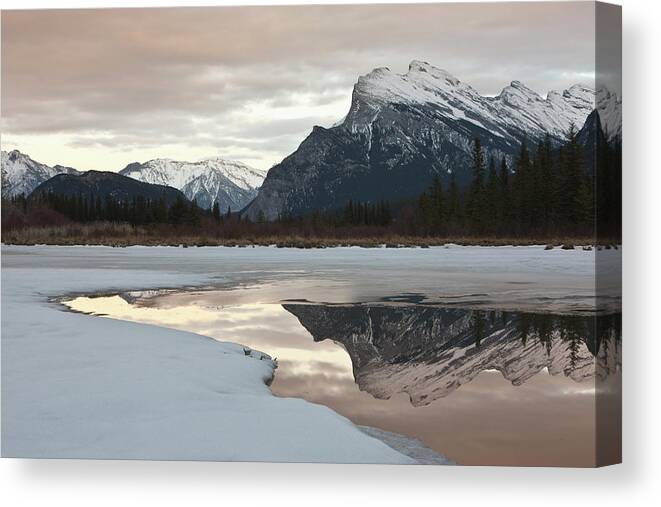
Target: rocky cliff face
{"points": [[428, 352], [401, 130]]}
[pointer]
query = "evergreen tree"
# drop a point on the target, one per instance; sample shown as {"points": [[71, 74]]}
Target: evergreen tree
{"points": [[348, 213], [574, 188], [476, 203], [386, 214], [608, 187], [437, 202], [177, 212], [535, 206], [98, 209], [160, 211], [547, 183], [425, 206], [492, 198], [504, 201], [453, 208], [193, 213], [140, 210], [521, 188]]}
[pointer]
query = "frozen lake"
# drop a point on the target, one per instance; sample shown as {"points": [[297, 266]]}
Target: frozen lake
{"points": [[486, 355]]}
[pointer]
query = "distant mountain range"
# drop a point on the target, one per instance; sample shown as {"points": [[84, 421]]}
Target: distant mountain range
{"points": [[402, 129], [231, 184]]}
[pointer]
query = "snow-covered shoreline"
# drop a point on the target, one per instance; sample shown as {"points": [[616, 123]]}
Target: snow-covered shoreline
{"points": [[76, 386]]}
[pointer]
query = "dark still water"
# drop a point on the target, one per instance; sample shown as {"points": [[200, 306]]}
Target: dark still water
{"points": [[480, 387]]}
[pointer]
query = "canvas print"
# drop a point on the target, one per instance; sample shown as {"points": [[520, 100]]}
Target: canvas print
{"points": [[378, 234]]}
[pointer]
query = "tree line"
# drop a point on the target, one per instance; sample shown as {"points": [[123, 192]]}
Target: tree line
{"points": [[135, 211], [548, 191]]}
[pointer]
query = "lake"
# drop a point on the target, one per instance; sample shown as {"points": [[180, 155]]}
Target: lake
{"points": [[486, 366]]}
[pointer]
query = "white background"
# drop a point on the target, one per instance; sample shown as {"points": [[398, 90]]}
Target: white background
{"points": [[636, 482]]}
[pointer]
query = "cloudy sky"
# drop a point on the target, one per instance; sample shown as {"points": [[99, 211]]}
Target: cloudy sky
{"points": [[97, 89]]}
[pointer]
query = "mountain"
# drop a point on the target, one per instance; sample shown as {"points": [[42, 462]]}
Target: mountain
{"points": [[21, 174], [428, 352], [609, 107], [102, 184], [231, 184], [402, 129]]}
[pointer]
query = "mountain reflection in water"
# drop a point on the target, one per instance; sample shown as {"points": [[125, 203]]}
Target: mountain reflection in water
{"points": [[429, 352]]}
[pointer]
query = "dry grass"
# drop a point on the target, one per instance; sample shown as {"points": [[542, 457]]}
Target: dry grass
{"points": [[122, 235]]}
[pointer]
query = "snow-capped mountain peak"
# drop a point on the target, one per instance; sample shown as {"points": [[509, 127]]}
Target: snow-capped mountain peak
{"points": [[230, 183], [239, 173], [21, 174], [517, 110], [519, 95], [423, 71], [422, 83]]}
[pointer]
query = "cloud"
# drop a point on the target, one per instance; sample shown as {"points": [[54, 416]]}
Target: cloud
{"points": [[253, 81]]}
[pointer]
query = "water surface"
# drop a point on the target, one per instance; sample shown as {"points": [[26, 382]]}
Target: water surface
{"points": [[477, 385]]}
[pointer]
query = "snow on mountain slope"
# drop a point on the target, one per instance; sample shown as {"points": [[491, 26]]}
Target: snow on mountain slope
{"points": [[609, 106], [231, 184], [21, 174], [516, 108]]}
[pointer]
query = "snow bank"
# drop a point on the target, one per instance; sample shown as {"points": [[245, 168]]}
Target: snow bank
{"points": [[76, 386]]}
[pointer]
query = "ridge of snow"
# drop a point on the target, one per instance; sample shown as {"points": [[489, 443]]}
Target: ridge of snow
{"points": [[179, 173], [516, 107]]}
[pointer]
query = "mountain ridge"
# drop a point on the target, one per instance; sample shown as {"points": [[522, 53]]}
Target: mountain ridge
{"points": [[21, 174], [426, 84], [403, 129], [232, 183]]}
